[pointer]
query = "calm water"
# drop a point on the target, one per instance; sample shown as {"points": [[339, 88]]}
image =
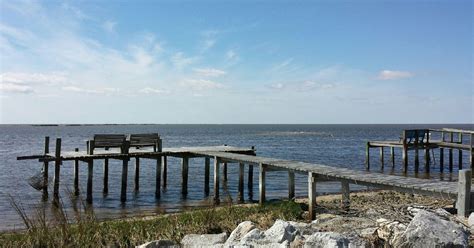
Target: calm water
{"points": [[336, 145]]}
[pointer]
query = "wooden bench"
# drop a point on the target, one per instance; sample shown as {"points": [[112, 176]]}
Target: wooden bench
{"points": [[415, 137], [146, 140], [107, 141]]}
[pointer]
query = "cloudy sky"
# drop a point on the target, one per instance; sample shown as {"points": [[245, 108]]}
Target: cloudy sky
{"points": [[236, 62]]}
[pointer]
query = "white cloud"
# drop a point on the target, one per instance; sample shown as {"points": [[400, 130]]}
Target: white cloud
{"points": [[277, 86], [209, 72], [201, 84], [105, 91], [180, 61], [282, 64], [54, 78], [109, 26], [231, 54], [392, 75], [15, 88], [149, 90]]}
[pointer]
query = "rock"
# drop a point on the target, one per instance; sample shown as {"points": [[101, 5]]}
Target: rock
{"points": [[281, 231], [325, 218], [303, 228], [204, 240], [253, 236], [428, 229], [390, 231], [159, 244], [470, 220], [326, 240], [240, 231]]}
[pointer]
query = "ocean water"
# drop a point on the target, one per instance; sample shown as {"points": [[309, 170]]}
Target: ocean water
{"points": [[335, 145]]}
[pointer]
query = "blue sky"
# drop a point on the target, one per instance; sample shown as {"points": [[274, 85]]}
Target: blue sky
{"points": [[236, 62]]}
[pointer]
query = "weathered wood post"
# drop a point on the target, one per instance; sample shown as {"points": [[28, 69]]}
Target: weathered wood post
{"points": [[471, 150], [417, 152], [261, 184], [158, 178], [184, 175], [207, 164], [441, 155], [392, 156], [367, 156], [405, 152], [165, 171], [427, 152], [90, 172], [345, 193], [225, 171], [311, 195], [291, 184], [381, 157], [250, 179], [460, 151], [450, 153], [137, 174], [45, 169], [216, 180], [57, 167], [105, 191], [76, 175], [463, 203], [240, 195], [123, 189]]}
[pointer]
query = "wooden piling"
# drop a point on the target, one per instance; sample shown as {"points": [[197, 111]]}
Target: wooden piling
{"points": [[367, 156], [158, 178], [90, 172], [405, 152], [441, 159], [463, 203], [261, 184], [250, 179], [345, 193], [450, 153], [106, 177], [216, 180], [225, 172], [311, 195], [427, 160], [137, 174], [392, 156], [123, 190], [381, 157], [471, 150], [165, 171], [240, 196], [45, 169], [184, 175], [460, 152], [207, 164], [417, 153], [76, 175], [57, 166], [291, 185]]}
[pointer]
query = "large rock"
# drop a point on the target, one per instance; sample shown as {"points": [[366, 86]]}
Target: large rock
{"points": [[390, 231], [281, 231], [281, 234], [428, 229], [239, 232], [470, 221], [159, 244], [204, 240], [326, 240]]}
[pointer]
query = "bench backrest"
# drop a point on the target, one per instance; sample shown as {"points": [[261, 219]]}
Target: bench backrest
{"points": [[109, 140], [419, 135], [146, 139]]}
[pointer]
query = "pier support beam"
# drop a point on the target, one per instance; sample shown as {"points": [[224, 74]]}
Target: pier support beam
{"points": [[463, 203], [405, 152], [250, 180], [345, 193], [291, 185], [367, 156], [184, 175], [460, 151], [158, 178], [123, 190], [240, 196], [137, 174], [417, 153], [216, 180], [392, 156], [76, 175], [441, 159], [427, 160], [311, 195], [261, 184], [381, 157], [90, 172], [45, 169], [105, 191], [165, 171], [450, 153], [225, 172], [207, 164], [471, 151], [57, 167]]}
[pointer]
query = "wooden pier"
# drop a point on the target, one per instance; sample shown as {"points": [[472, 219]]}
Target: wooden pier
{"points": [[421, 139], [224, 156]]}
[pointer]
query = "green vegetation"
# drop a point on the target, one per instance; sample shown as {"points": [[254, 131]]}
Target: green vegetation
{"points": [[88, 232]]}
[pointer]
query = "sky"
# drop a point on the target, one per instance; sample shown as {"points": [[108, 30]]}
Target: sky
{"points": [[175, 62]]}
